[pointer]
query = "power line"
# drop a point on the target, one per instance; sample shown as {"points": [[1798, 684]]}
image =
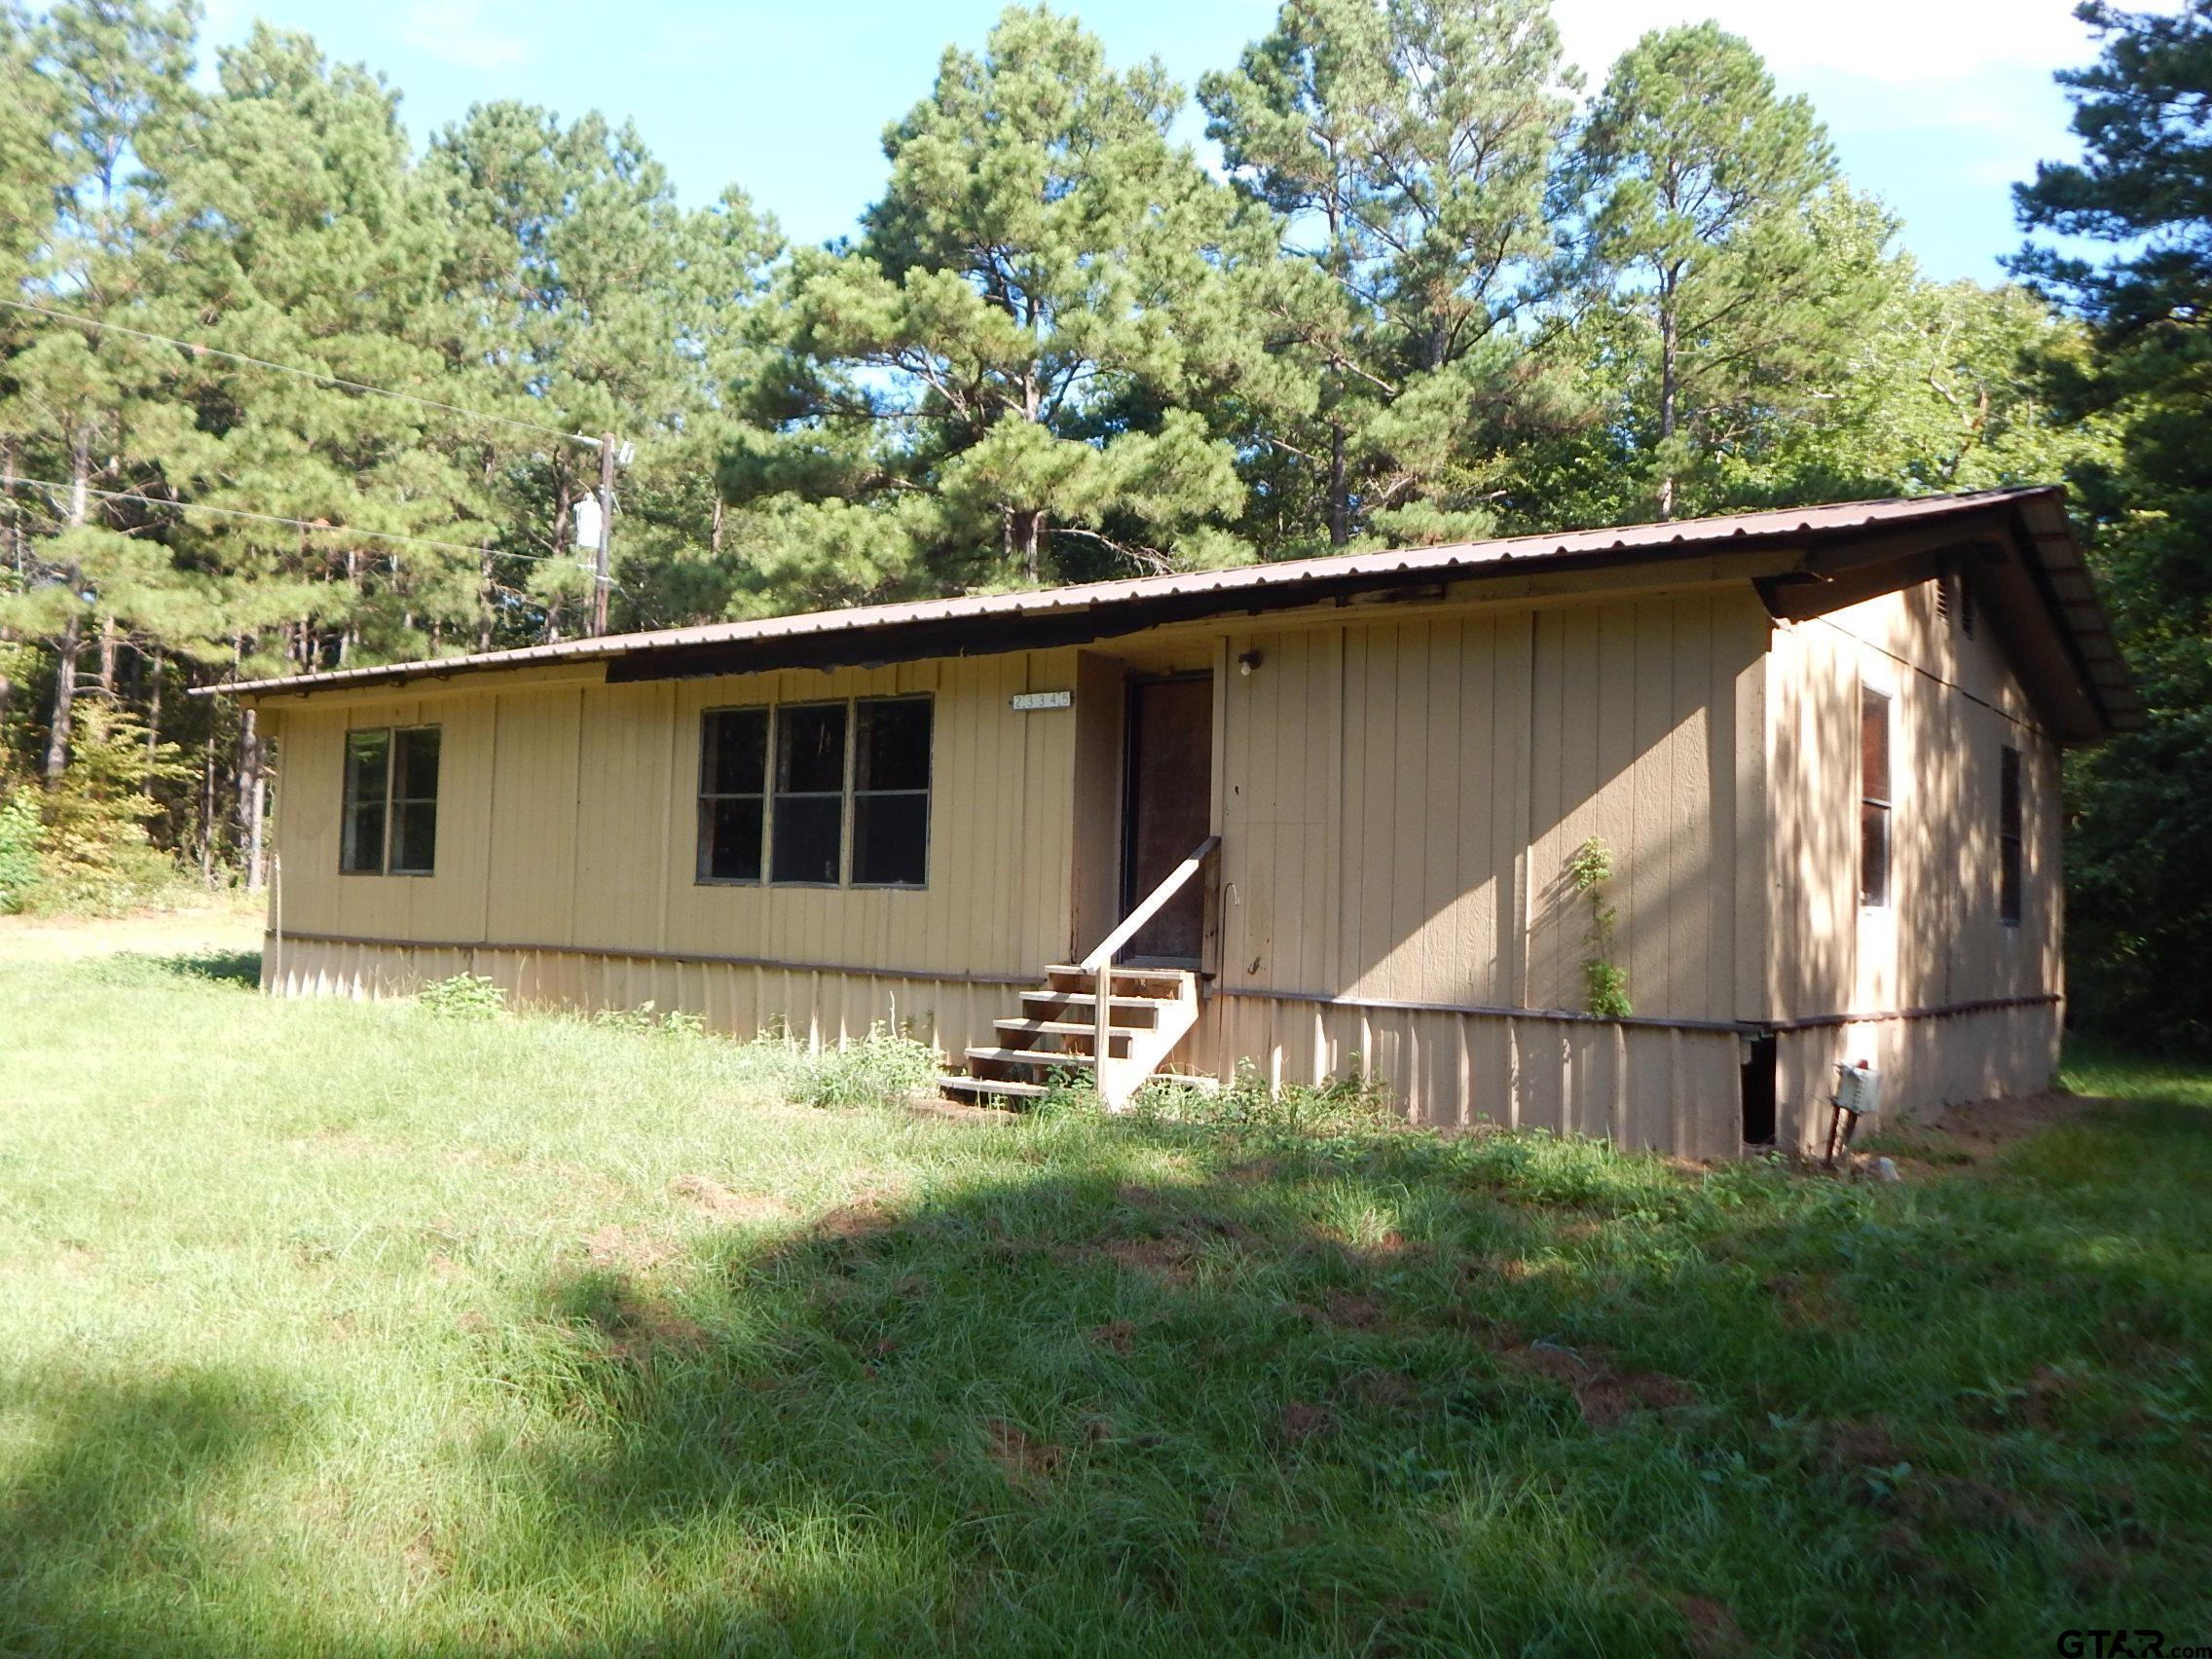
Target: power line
{"points": [[197, 348], [319, 527]]}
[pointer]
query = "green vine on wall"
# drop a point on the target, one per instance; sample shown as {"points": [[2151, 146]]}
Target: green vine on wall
{"points": [[1605, 982]]}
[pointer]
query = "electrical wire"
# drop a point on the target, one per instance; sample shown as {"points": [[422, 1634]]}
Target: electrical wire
{"points": [[316, 526], [198, 350]]}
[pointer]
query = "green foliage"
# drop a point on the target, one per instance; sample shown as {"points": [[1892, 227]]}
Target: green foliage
{"points": [[994, 367], [1353, 1101], [463, 996], [1745, 268], [1605, 982], [884, 1068], [20, 835], [646, 1019], [1407, 148], [96, 857], [2139, 909]]}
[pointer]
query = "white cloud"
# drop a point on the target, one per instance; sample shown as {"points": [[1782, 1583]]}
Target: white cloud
{"points": [[458, 32]]}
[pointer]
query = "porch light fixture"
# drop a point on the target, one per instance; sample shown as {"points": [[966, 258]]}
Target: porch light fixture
{"points": [[1247, 662]]}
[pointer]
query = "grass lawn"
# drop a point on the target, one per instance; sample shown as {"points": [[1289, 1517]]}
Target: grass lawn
{"points": [[351, 1329]]}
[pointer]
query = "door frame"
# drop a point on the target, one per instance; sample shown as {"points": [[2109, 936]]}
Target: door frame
{"points": [[1126, 897]]}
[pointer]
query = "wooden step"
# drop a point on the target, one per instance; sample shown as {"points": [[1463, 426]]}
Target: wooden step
{"points": [[1117, 1035], [1123, 1012], [1126, 981], [1050, 1059], [991, 1086]]}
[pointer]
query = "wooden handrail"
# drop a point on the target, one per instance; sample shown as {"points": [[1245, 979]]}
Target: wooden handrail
{"points": [[1110, 945]]}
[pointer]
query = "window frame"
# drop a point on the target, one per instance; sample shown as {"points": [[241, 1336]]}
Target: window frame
{"points": [[392, 800], [2011, 836], [848, 796], [1879, 808], [776, 794], [854, 793], [702, 865]]}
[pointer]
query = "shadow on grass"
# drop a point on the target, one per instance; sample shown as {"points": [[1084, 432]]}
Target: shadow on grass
{"points": [[118, 1507], [1136, 1389], [237, 968], [1421, 1398]]}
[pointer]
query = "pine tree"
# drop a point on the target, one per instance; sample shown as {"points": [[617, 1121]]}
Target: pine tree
{"points": [[81, 410], [587, 300], [988, 386], [1718, 220], [1407, 148], [2139, 909]]}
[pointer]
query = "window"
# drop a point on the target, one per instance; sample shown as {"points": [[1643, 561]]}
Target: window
{"points": [[783, 793], [733, 793], [1874, 797], [391, 809], [809, 832], [891, 793], [2012, 851]]}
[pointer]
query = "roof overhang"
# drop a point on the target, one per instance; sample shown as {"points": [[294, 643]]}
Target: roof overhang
{"points": [[1834, 555]]}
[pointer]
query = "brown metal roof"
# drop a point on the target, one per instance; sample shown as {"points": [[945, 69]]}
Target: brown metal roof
{"points": [[1141, 599]]}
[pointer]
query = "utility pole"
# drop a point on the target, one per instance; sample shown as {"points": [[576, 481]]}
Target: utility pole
{"points": [[605, 532]]}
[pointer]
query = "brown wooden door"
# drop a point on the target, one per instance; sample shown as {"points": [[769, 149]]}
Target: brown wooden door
{"points": [[1169, 808]]}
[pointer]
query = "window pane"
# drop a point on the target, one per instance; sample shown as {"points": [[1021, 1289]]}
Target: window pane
{"points": [[363, 849], [414, 776], [415, 837], [730, 838], [1873, 854], [893, 751], [808, 839], [2009, 794], [1874, 746], [891, 840], [811, 749], [368, 755], [736, 758]]}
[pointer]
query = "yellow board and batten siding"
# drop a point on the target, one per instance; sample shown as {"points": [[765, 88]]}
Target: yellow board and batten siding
{"points": [[1401, 802], [1939, 943], [1398, 788], [568, 825]]}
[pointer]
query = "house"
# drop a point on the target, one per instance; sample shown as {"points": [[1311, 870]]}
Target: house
{"points": [[1315, 815]]}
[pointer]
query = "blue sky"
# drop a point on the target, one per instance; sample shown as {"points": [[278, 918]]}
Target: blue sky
{"points": [[1936, 105]]}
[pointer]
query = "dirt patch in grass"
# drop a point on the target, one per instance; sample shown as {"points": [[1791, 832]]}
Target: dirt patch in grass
{"points": [[612, 1246], [1299, 1422], [711, 1198], [1807, 1301], [1973, 1132], [1118, 1336], [1606, 1394], [1712, 1631], [1164, 1258], [1022, 1457]]}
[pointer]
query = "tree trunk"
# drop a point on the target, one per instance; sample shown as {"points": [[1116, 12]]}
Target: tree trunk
{"points": [[1340, 507], [484, 596], [71, 648], [1668, 391], [57, 735], [153, 714], [108, 638], [251, 785], [207, 812], [1026, 538]]}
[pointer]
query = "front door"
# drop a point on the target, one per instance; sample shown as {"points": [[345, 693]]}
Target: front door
{"points": [[1169, 807]]}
